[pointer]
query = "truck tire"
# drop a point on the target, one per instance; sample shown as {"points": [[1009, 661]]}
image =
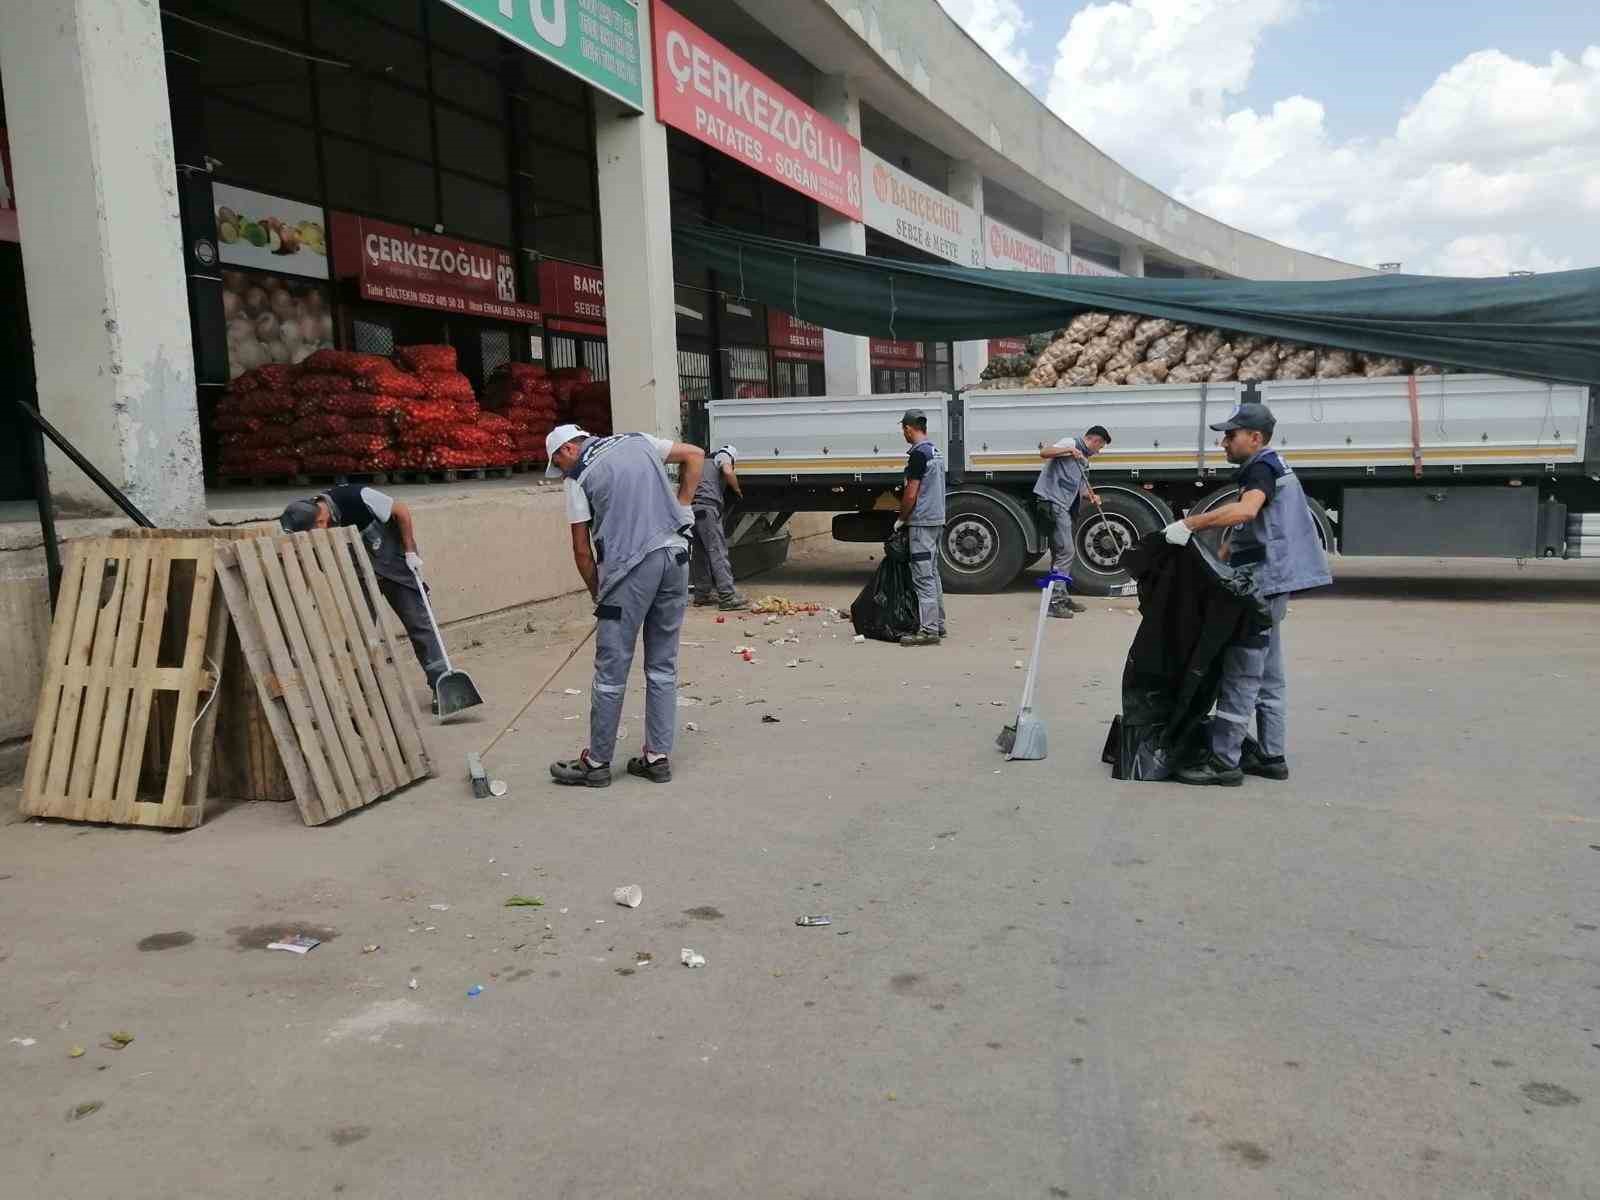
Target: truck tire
{"points": [[1100, 543], [1227, 495], [982, 549]]}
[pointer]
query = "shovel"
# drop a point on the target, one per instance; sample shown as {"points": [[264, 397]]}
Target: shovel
{"points": [[1025, 738], [454, 689]]}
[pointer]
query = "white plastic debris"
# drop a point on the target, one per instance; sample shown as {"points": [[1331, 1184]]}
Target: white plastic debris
{"points": [[690, 727], [440, 907], [860, 637], [35, 1041], [572, 691], [630, 896], [412, 985], [691, 958], [1017, 666], [498, 787], [793, 662]]}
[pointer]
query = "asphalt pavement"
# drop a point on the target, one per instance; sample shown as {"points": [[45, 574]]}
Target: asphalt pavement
{"points": [[1381, 978]]}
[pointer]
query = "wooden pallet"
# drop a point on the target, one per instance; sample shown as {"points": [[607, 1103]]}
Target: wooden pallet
{"points": [[124, 730], [326, 668]]}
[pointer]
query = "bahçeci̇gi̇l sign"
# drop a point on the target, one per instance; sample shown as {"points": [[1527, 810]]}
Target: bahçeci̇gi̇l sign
{"points": [[399, 265], [712, 94]]}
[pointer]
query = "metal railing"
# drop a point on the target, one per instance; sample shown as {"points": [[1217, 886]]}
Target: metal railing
{"points": [[41, 489]]}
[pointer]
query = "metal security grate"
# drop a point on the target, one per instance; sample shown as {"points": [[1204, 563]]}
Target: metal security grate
{"points": [[495, 346], [371, 337]]}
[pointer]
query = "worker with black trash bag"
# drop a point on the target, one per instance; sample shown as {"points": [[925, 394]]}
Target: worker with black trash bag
{"points": [[630, 544], [922, 514], [711, 571], [1063, 484], [391, 540], [1275, 541]]}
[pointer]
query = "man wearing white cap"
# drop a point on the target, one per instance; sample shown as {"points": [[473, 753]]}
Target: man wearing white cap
{"points": [[710, 568], [629, 541]]}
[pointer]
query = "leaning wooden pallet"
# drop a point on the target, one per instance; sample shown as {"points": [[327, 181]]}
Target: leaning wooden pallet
{"points": [[326, 668], [126, 718]]}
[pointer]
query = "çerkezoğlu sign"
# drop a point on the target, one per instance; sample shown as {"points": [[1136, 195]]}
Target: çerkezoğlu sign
{"points": [[596, 40]]}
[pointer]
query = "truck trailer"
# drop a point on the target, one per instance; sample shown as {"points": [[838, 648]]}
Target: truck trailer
{"points": [[1470, 465]]}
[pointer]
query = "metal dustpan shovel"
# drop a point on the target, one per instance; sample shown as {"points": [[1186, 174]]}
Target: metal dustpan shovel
{"points": [[454, 690], [1025, 738]]}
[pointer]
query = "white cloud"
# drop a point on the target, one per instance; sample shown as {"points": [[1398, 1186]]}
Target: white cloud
{"points": [[1495, 167], [999, 26]]}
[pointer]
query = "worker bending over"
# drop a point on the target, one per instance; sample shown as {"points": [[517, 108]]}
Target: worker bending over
{"points": [[710, 565], [1276, 540], [1063, 483], [391, 540], [922, 510], [629, 541]]}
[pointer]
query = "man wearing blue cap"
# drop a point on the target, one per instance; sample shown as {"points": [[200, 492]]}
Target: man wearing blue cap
{"points": [[1275, 538]]}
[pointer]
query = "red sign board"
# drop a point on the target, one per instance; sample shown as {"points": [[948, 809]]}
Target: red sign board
{"points": [[9, 231], [885, 353], [712, 94], [396, 264], [574, 290], [1007, 347], [792, 338]]}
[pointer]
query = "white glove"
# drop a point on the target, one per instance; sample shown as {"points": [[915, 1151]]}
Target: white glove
{"points": [[899, 524], [1178, 533], [414, 561]]}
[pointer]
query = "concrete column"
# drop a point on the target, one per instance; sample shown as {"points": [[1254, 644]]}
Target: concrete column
{"points": [[1131, 261], [1058, 233], [847, 358], [965, 182], [102, 249], [636, 253]]}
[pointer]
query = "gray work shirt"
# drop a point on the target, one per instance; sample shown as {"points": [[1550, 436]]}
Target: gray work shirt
{"points": [[1061, 479], [925, 464], [712, 491]]}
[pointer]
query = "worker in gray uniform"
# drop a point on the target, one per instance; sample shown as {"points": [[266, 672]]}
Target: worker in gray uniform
{"points": [[1063, 482], [712, 574], [922, 512], [391, 541], [630, 543], [1275, 539]]}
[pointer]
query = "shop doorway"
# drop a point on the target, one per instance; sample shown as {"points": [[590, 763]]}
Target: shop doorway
{"points": [[16, 378]]}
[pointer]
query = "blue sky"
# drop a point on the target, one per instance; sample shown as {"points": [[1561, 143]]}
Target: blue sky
{"points": [[1459, 137]]}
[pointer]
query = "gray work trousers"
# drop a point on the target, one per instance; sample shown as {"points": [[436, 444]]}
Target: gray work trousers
{"points": [[1062, 550], [652, 596], [407, 605], [925, 577], [1253, 685], [711, 567]]}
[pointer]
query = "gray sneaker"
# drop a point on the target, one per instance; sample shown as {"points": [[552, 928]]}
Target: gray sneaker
{"points": [[1075, 606], [580, 772], [659, 771], [737, 602], [919, 638]]}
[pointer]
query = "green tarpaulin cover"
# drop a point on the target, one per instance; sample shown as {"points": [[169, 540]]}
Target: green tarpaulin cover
{"points": [[1540, 327]]}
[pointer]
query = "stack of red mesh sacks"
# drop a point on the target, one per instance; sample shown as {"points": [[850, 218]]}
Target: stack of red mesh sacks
{"points": [[448, 431], [253, 421], [525, 396], [581, 400], [344, 422]]}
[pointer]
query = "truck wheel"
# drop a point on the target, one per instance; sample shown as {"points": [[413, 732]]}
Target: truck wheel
{"points": [[1227, 495], [1099, 542], [982, 549]]}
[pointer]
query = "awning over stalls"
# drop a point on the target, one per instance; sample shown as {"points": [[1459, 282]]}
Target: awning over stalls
{"points": [[1541, 327]]}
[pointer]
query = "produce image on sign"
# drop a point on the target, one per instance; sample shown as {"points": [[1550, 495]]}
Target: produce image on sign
{"points": [[712, 94], [273, 320], [269, 233], [396, 264], [596, 40]]}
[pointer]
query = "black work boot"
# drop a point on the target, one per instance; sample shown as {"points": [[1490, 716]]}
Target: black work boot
{"points": [[1211, 771], [659, 771], [705, 599], [580, 772], [920, 638], [1075, 606], [1060, 606], [737, 602], [1267, 766]]}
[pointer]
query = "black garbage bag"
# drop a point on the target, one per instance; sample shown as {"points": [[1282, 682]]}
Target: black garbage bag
{"points": [[886, 609], [1192, 607]]}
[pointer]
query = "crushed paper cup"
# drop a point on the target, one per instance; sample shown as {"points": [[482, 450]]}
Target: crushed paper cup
{"points": [[691, 958], [629, 897]]}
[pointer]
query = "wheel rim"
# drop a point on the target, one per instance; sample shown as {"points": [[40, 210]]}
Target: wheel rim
{"points": [[970, 543], [1103, 541]]}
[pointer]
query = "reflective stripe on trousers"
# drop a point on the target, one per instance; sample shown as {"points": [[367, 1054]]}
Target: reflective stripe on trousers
{"points": [[925, 577], [711, 567], [650, 597], [1253, 685]]}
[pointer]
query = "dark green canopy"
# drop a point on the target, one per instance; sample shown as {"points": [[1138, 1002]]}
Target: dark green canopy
{"points": [[1540, 327]]}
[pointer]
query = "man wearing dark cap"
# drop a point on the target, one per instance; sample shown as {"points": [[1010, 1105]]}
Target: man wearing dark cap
{"points": [[922, 512], [1063, 482], [391, 539], [1275, 538]]}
